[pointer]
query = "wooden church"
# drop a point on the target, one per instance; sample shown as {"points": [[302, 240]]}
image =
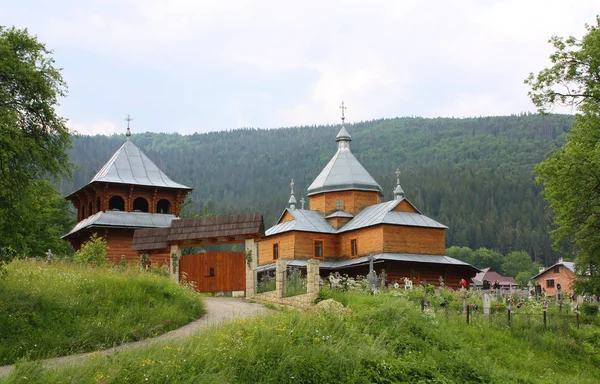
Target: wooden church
{"points": [[348, 223], [129, 192]]}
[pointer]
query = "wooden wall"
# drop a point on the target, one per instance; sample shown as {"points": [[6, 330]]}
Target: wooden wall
{"points": [[404, 206], [304, 245], [368, 240], [129, 193], [404, 239], [452, 274], [286, 248], [229, 271], [353, 201], [119, 244]]}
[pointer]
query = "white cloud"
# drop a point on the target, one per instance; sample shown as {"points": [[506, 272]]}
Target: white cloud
{"points": [[384, 58]]}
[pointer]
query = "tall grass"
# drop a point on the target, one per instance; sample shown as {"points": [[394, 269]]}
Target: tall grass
{"points": [[385, 339], [64, 308]]}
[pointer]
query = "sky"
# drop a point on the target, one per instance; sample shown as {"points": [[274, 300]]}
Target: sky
{"points": [[199, 66]]}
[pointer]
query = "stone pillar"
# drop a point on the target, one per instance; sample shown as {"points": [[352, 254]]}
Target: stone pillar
{"points": [[174, 264], [251, 264], [280, 278], [312, 276]]}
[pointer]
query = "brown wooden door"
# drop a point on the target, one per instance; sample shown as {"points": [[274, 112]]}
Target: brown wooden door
{"points": [[215, 271]]}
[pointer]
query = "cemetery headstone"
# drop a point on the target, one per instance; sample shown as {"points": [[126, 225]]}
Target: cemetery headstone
{"points": [[487, 303]]}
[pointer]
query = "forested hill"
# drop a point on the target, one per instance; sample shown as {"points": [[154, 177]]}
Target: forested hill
{"points": [[474, 175]]}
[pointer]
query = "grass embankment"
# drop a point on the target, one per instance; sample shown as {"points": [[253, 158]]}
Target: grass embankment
{"points": [[385, 339], [63, 308]]}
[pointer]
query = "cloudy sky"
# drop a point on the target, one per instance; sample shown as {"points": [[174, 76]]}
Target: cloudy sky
{"points": [[197, 66]]}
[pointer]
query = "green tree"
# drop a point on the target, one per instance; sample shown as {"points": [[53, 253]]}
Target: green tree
{"points": [[33, 138], [515, 262], [571, 174], [523, 278]]}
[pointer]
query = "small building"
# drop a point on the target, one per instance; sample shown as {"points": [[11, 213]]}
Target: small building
{"points": [[129, 192], [559, 276], [489, 276], [348, 225]]}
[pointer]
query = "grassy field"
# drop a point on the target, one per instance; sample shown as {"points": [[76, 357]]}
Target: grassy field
{"points": [[63, 308], [384, 339]]}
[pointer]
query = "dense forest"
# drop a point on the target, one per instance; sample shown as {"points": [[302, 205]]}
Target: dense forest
{"points": [[473, 175]]}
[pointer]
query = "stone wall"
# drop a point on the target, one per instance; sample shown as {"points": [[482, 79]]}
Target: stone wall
{"points": [[305, 301]]}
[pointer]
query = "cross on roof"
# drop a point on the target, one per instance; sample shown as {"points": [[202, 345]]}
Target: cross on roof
{"points": [[128, 119], [397, 175], [343, 108], [292, 186]]}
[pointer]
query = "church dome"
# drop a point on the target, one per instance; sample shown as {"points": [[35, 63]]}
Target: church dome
{"points": [[343, 172]]}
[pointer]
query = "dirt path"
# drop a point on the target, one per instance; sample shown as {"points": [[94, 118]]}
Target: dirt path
{"points": [[219, 310]]}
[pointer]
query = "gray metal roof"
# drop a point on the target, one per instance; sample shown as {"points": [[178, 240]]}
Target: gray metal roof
{"points": [[304, 220], [339, 214], [312, 221], [120, 219], [129, 165], [568, 264], [403, 257], [383, 214], [343, 172]]}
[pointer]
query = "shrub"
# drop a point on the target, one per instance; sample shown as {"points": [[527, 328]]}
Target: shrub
{"points": [[7, 254], [93, 252], [589, 309]]}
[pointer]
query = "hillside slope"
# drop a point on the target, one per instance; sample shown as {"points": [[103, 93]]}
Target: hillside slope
{"points": [[474, 174]]}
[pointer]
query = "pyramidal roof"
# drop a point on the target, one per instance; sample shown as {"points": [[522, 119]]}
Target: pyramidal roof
{"points": [[129, 165], [343, 172]]}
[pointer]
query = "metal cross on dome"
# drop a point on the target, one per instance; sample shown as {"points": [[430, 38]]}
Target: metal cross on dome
{"points": [[292, 186], [397, 175], [128, 119], [343, 108]]}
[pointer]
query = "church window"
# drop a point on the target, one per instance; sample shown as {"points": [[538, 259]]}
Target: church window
{"points": [[339, 205], [116, 203], [275, 251], [98, 208], [353, 248], [140, 205], [318, 249], [90, 211], [163, 206]]}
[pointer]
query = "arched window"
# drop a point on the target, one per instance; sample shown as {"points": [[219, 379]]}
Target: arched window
{"points": [[90, 212], [163, 206], [140, 205], [98, 205], [116, 203]]}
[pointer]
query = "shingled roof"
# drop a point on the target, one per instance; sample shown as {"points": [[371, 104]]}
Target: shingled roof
{"points": [[242, 226], [207, 229], [149, 239]]}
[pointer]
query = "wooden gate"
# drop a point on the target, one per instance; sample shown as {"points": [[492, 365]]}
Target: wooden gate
{"points": [[215, 271]]}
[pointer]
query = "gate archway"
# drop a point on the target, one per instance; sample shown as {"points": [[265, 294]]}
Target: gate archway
{"points": [[229, 269]]}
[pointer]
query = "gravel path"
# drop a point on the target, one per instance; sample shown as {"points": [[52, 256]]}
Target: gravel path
{"points": [[218, 310]]}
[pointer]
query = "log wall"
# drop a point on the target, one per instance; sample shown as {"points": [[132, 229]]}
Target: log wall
{"points": [[353, 201], [404, 239]]}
